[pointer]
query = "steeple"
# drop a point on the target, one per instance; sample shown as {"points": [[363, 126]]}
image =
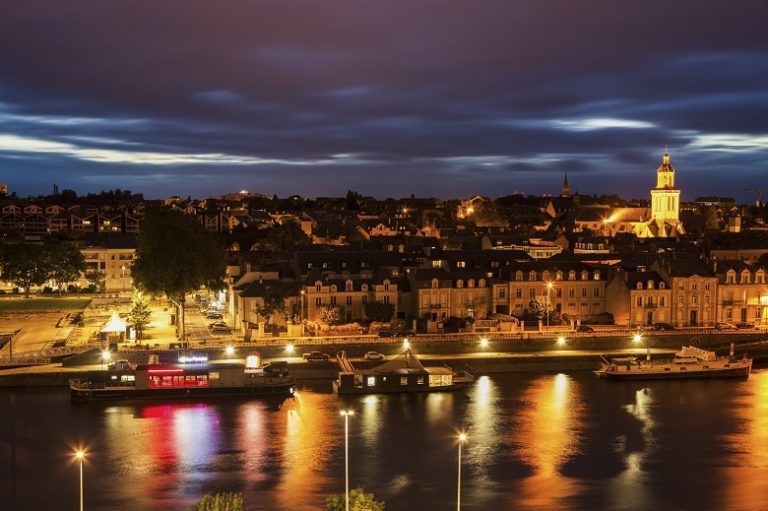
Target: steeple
{"points": [[565, 191]]}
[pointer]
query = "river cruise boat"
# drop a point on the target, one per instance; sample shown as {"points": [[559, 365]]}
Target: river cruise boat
{"points": [[404, 373], [689, 362], [192, 377]]}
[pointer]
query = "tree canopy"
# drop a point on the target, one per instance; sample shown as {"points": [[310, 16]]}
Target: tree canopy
{"points": [[359, 500], [64, 262], [379, 311], [175, 255], [24, 265]]}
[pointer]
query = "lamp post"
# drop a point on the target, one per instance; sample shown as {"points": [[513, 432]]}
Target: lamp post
{"points": [[462, 438], [346, 414], [549, 288], [122, 279], [79, 456], [302, 306]]}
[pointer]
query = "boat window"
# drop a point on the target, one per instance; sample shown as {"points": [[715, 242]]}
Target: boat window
{"points": [[213, 376], [403, 380], [420, 380], [371, 381]]}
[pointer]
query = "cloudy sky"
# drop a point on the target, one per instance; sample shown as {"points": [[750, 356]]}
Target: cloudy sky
{"points": [[389, 97]]}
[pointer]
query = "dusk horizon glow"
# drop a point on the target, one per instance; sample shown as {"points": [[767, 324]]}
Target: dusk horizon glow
{"points": [[436, 99]]}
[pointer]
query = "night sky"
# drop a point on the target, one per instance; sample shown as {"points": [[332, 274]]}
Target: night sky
{"points": [[390, 97]]}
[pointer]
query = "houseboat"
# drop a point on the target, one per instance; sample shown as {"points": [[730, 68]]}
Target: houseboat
{"points": [[404, 373], [689, 362], [192, 377]]}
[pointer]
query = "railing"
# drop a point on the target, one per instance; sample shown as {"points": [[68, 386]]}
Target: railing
{"points": [[44, 356]]}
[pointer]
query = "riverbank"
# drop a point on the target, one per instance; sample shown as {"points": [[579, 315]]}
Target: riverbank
{"points": [[492, 359]]}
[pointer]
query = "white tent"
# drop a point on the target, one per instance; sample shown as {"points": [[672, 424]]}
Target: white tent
{"points": [[115, 325]]}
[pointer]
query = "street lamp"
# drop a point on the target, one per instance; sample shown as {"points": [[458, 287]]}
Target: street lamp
{"points": [[549, 288], [105, 357], [406, 343], [302, 306], [346, 414], [561, 340], [229, 350], [462, 438], [289, 348], [122, 279], [79, 456], [637, 338], [483, 342]]}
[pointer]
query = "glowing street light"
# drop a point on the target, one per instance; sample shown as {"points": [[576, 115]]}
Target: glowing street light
{"points": [[637, 338], [561, 340], [483, 342], [289, 348], [79, 455], [462, 438], [229, 350], [106, 356], [346, 414], [406, 343]]}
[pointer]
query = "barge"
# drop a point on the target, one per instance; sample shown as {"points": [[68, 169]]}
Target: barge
{"points": [[186, 380], [689, 362], [404, 373]]}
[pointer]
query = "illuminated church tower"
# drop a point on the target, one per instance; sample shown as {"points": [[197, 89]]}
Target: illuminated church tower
{"points": [[665, 202]]}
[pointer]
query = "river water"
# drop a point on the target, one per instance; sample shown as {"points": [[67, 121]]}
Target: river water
{"points": [[536, 441]]}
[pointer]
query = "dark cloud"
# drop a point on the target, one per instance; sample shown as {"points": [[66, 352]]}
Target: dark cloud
{"points": [[437, 97]]}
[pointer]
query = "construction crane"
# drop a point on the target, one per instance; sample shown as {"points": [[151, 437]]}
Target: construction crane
{"points": [[759, 201]]}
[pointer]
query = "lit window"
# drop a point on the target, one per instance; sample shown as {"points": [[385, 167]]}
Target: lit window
{"points": [[371, 381]]}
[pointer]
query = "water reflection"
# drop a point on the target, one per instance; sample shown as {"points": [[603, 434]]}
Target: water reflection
{"points": [[744, 478], [546, 435], [631, 484], [310, 437]]}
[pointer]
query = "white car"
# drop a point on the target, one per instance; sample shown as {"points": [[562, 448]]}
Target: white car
{"points": [[373, 355], [220, 328]]}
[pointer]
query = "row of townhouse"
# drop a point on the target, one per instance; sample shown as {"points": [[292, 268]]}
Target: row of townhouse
{"points": [[684, 292], [120, 222]]}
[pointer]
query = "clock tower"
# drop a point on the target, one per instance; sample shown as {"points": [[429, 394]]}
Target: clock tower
{"points": [[665, 201]]}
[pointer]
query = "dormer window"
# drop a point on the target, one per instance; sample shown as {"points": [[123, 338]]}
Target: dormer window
{"points": [[558, 275], [532, 275], [333, 289], [596, 275], [662, 285], [745, 277], [461, 264], [348, 285], [481, 283], [730, 277], [459, 283], [518, 275], [471, 283], [760, 277], [386, 285], [650, 284], [639, 285], [364, 287], [434, 283], [572, 275]]}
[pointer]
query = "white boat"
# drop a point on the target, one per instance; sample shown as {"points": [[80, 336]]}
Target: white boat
{"points": [[689, 362]]}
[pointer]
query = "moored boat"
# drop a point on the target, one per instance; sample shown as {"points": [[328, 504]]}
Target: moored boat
{"points": [[186, 380], [404, 373], [689, 362]]}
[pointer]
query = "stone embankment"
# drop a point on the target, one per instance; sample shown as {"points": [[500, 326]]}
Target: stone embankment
{"points": [[497, 357]]}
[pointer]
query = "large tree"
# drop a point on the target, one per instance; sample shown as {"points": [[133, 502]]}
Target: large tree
{"points": [[176, 256], [274, 301], [65, 262], [24, 265], [379, 311]]}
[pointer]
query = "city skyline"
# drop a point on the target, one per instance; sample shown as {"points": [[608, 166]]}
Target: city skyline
{"points": [[437, 99]]}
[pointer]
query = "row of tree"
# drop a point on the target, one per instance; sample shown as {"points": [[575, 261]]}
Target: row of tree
{"points": [[27, 265]]}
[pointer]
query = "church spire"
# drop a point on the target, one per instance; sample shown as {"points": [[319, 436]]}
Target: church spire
{"points": [[665, 158], [565, 191]]}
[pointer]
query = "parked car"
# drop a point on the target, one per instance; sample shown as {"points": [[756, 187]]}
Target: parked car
{"points": [[217, 323], [220, 328], [725, 326], [121, 365], [647, 328], [316, 356], [584, 328], [386, 332], [214, 315], [373, 355], [664, 326], [744, 326]]}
